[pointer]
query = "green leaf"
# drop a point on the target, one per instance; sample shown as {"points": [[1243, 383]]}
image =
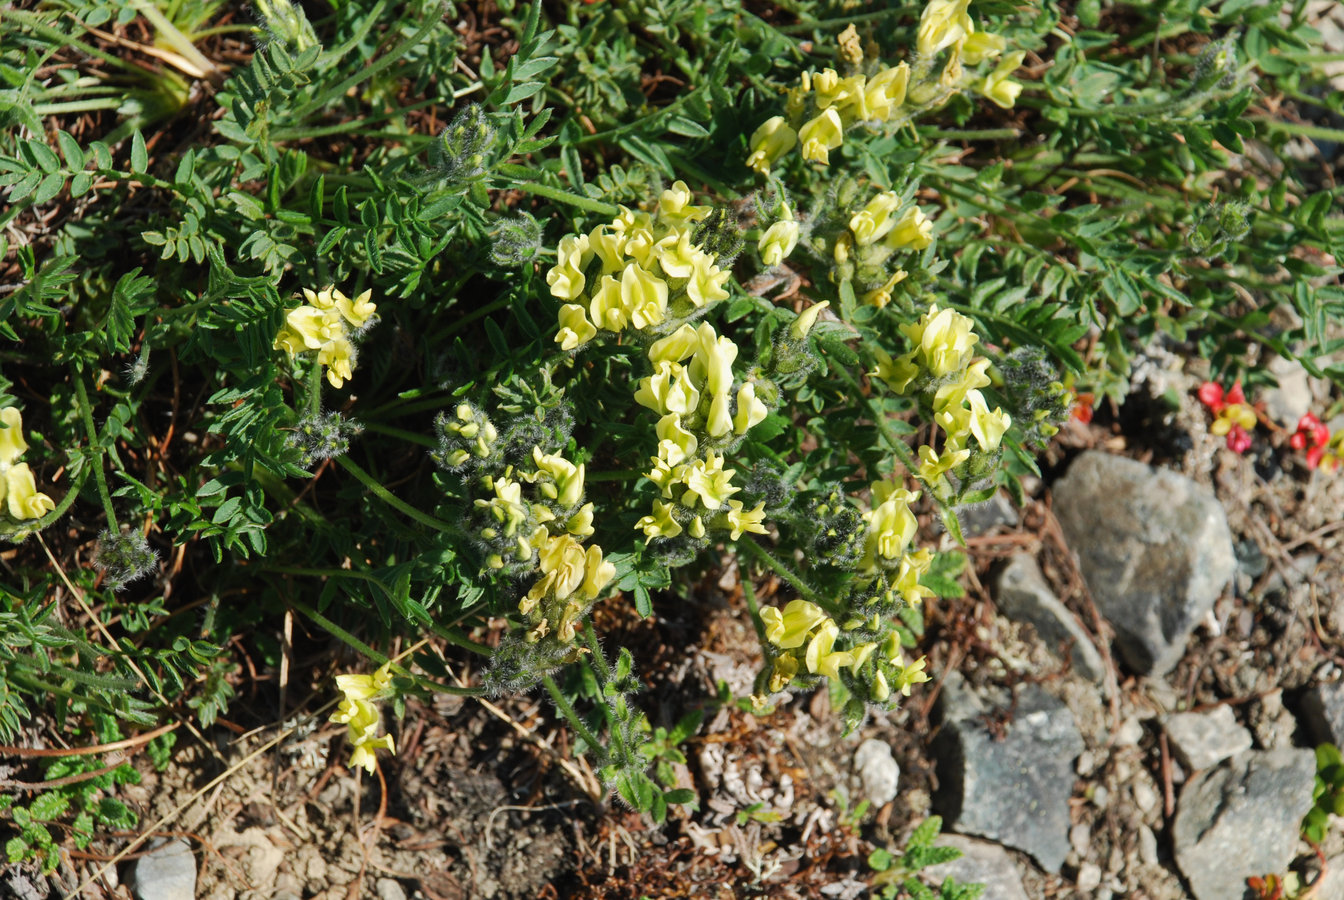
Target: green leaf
{"points": [[139, 154], [74, 156], [51, 186]]}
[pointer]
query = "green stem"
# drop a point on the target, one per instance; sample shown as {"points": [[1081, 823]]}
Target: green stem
{"points": [[387, 497], [1309, 131], [96, 452], [563, 196], [880, 417], [366, 72], [567, 710], [346, 637], [401, 433], [981, 134], [749, 592], [315, 388], [766, 558]]}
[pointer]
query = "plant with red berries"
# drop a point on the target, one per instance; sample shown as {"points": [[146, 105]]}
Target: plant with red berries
{"points": [[1234, 417], [1311, 436]]}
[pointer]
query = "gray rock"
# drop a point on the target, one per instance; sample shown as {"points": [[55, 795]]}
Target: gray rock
{"points": [[1291, 400], [1147, 845], [1089, 877], [1023, 595], [981, 863], [878, 772], [1323, 712], [1154, 548], [1242, 819], [1012, 784], [1204, 739], [167, 872], [982, 518]]}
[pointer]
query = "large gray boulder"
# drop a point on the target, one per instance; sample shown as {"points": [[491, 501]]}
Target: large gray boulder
{"points": [[1155, 550], [1323, 711], [1006, 772], [980, 863], [1242, 819]]}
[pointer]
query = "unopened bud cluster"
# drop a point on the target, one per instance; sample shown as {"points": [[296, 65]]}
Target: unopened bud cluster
{"points": [[323, 435], [1040, 402], [461, 153], [124, 557]]}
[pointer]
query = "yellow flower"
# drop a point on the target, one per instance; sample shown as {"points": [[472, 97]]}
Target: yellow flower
{"points": [[12, 443], [363, 754], [913, 566], [932, 466], [779, 240], [998, 87], [709, 482], [769, 143], [660, 522], [874, 221], [821, 135], [881, 296], [598, 573], [954, 392], [885, 92], [643, 296], [674, 206], [911, 675], [561, 561], [981, 46], [566, 276], [943, 341], [18, 487], [675, 443], [891, 524], [707, 281], [912, 231], [790, 628], [740, 520], [357, 311], [942, 24], [339, 358], [896, 373], [820, 656], [668, 390], [750, 411], [581, 523], [565, 484], [831, 89], [988, 427], [785, 667], [806, 319], [676, 346], [575, 329], [366, 687]]}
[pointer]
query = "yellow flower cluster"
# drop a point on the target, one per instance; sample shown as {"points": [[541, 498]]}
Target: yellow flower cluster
{"points": [[526, 527], [470, 427], [882, 227], [551, 527], [324, 324], [18, 488], [824, 105], [358, 712], [571, 579], [629, 272], [945, 24], [804, 626], [942, 360], [692, 389]]}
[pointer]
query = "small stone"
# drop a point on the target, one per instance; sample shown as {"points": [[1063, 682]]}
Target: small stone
{"points": [[1022, 594], [1242, 819], [1080, 838], [983, 863], [168, 872], [1145, 796], [1291, 400], [1147, 845], [1129, 733], [1154, 548], [390, 889], [878, 772], [1011, 785], [1201, 740], [982, 518], [1089, 877], [1100, 796], [1323, 712], [1087, 763]]}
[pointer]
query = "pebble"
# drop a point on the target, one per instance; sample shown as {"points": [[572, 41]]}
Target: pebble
{"points": [[1147, 845], [878, 772], [1080, 838], [1089, 877], [1154, 547], [1100, 796], [1129, 733], [1145, 796], [1323, 712], [390, 889], [1204, 739], [168, 872]]}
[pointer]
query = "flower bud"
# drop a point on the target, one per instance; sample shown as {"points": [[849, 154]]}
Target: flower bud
{"points": [[769, 143]]}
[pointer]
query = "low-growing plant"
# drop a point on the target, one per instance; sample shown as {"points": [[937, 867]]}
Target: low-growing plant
{"points": [[424, 341], [898, 876]]}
